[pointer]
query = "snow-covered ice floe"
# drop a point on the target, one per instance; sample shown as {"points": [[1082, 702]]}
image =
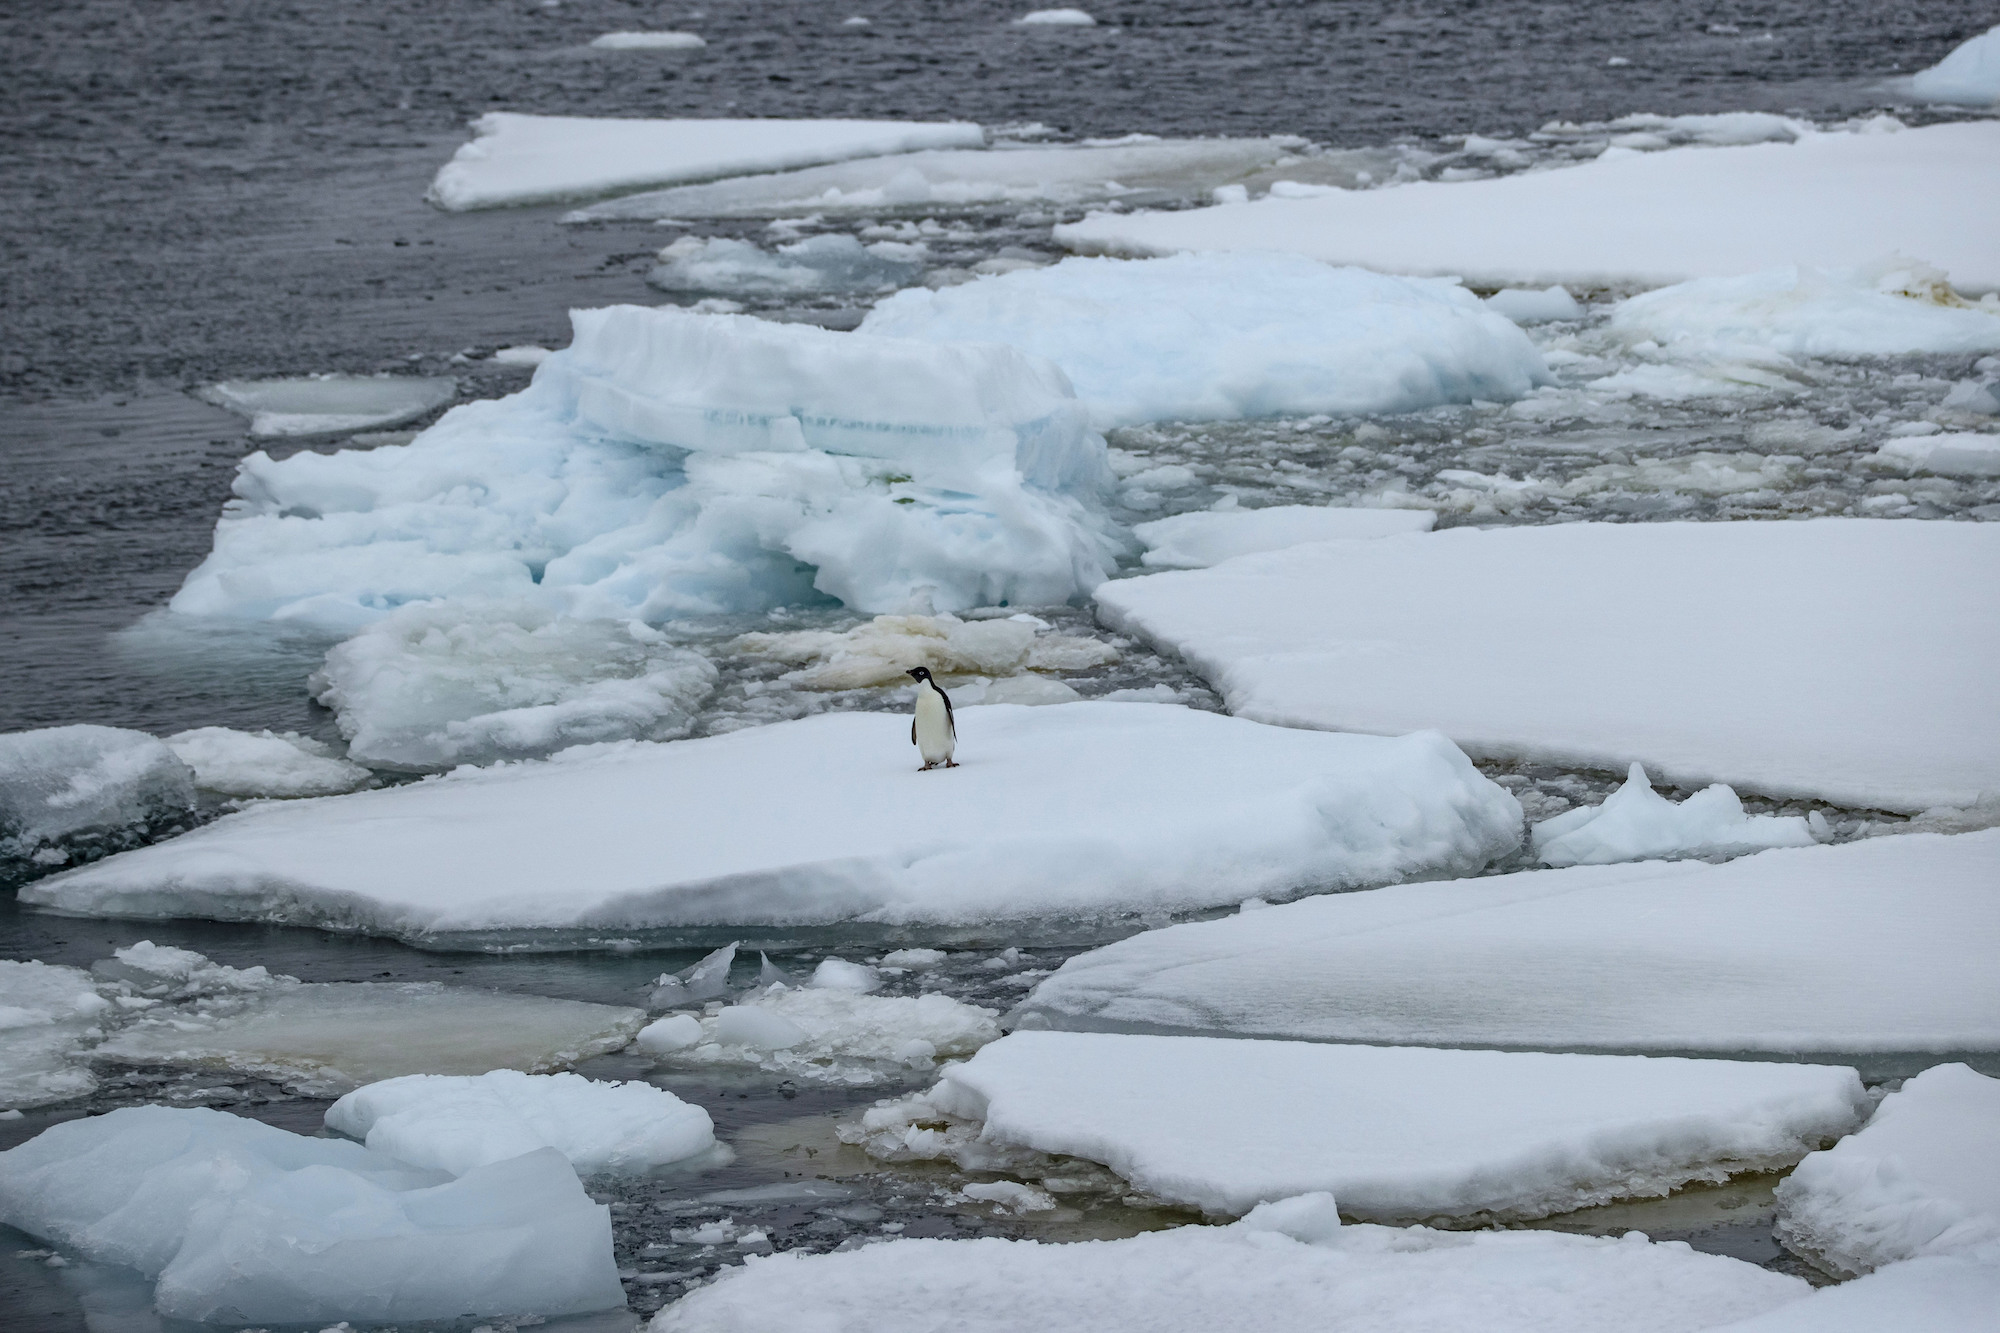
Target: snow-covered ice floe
{"points": [[240, 1222], [1922, 1179], [1289, 1267], [648, 41], [330, 404], [1957, 454], [265, 763], [1878, 948], [1394, 1133], [1055, 815], [1827, 200], [818, 265], [1837, 659], [1209, 537], [48, 1015], [1635, 822], [825, 1034], [58, 784], [457, 1124], [668, 463], [520, 159], [1195, 337], [1956, 1295], [884, 650], [1970, 75]]}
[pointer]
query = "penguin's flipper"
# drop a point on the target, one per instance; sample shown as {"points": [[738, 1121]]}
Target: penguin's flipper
{"points": [[950, 723], [913, 731]]}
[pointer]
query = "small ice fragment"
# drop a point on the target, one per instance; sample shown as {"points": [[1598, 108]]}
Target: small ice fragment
{"points": [[1056, 18], [675, 1032], [769, 973], [709, 977], [648, 41], [1310, 1218], [1635, 823], [1010, 1194], [915, 959], [330, 404], [524, 354], [838, 974], [59, 783], [759, 1029], [1525, 306], [266, 764]]}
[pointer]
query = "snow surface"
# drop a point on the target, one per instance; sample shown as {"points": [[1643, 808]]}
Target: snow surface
{"points": [[1635, 822], [241, 1222], [1962, 454], [1197, 337], [456, 1123], [1692, 648], [330, 404], [1969, 75], [519, 159], [1289, 1268], [882, 652], [668, 463], [1827, 200], [648, 41], [1054, 814], [1880, 946], [1934, 1295], [1209, 537], [817, 265], [48, 1014], [1524, 306], [1922, 1179], [265, 763], [1395, 1133], [826, 1035], [58, 782]]}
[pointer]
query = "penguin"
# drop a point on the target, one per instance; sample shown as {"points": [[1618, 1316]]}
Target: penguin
{"points": [[932, 730]]}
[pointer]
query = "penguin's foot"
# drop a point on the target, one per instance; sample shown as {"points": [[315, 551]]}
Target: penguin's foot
{"points": [[951, 763]]}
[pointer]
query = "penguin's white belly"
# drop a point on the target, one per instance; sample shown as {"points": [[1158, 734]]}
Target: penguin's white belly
{"points": [[934, 739]]}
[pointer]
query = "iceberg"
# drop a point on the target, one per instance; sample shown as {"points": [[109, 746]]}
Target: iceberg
{"points": [[1222, 336], [84, 783], [1692, 648], [1635, 822], [48, 1016], [1063, 817], [265, 764], [330, 404], [1868, 951], [1970, 75], [1209, 537], [824, 1034]]}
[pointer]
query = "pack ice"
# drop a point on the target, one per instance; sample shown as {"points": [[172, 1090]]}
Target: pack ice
{"points": [[59, 784], [1394, 1133], [1827, 200], [1870, 951], [519, 159], [1209, 537], [240, 1222], [1196, 337], [1060, 815], [668, 463], [1829, 658], [1970, 75]]}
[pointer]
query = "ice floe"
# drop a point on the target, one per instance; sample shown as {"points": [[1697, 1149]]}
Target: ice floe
{"points": [[240, 1222], [825, 1034], [814, 266], [1219, 336], [330, 404], [48, 1015], [1209, 537], [1881, 948], [1826, 200], [265, 763], [1056, 815], [1830, 658], [1922, 1179], [668, 463], [1636, 822], [1056, 18], [1525, 306], [1960, 454], [458, 1123], [83, 783], [521, 159], [1970, 75], [648, 41], [1935, 1295], [884, 650]]}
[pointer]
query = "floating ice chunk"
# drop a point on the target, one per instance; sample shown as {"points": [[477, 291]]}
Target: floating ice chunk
{"points": [[1622, 958], [451, 682], [1936, 1295], [1055, 18], [241, 1222], [648, 41], [675, 1032], [1196, 337], [265, 763], [1959, 455], [1034, 691], [456, 1124], [330, 404], [1970, 75], [838, 974], [1010, 1195], [1974, 397], [1208, 537], [1524, 306], [162, 972], [1395, 1133], [1828, 200], [48, 1015], [1635, 822], [1922, 1179], [63, 783], [526, 354], [837, 1036], [1595, 645], [915, 959], [754, 1029], [883, 651], [818, 264], [1055, 814], [517, 159]]}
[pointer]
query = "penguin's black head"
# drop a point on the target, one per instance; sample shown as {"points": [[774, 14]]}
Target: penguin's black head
{"points": [[920, 673]]}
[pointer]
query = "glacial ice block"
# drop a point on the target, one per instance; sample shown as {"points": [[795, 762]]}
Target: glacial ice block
{"points": [[1395, 1133], [1199, 337], [1876, 948], [1827, 200], [59, 783], [1209, 537], [520, 159], [1837, 659], [1058, 815], [48, 1015], [668, 463], [241, 1222]]}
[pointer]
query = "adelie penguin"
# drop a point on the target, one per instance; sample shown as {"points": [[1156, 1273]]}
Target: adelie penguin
{"points": [[932, 730]]}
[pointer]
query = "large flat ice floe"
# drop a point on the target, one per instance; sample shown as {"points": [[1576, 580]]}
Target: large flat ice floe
{"points": [[1936, 1295], [1394, 1133], [1827, 200], [1879, 947], [668, 463], [519, 159], [1196, 337], [1836, 659], [1287, 1268], [1055, 814], [240, 1222]]}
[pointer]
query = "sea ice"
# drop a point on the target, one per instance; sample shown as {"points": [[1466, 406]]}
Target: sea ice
{"points": [[1969, 75], [241, 1222], [1196, 337], [456, 1123], [59, 783], [449, 682], [818, 265], [1395, 1133], [1209, 537], [648, 41], [1827, 200], [1962, 454], [330, 404], [884, 650], [1955, 1295], [1689, 647], [668, 463], [1922, 1179], [826, 1035], [1056, 18], [1635, 822], [1524, 306], [518, 159], [48, 1015], [1057, 815], [1880, 947], [265, 763]]}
